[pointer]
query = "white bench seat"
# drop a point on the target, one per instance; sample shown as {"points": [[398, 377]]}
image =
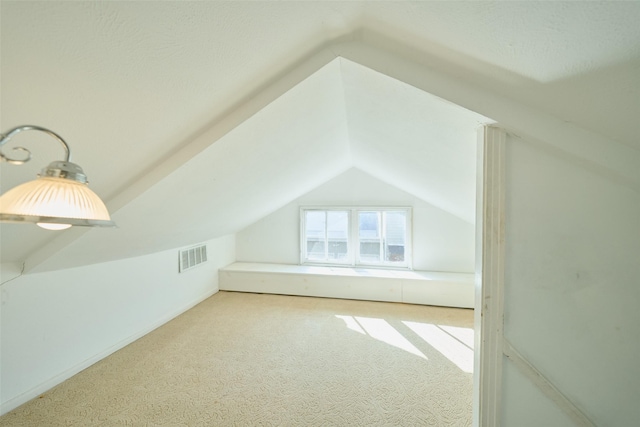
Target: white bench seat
{"points": [[416, 287]]}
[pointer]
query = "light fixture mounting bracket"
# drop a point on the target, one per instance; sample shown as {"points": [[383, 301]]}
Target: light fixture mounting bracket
{"points": [[4, 138]]}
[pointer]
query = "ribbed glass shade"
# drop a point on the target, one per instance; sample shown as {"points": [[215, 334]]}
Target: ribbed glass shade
{"points": [[54, 197]]}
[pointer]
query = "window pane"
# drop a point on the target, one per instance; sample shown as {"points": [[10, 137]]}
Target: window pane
{"points": [[369, 236], [395, 226], [370, 251], [369, 225], [315, 250], [315, 224], [315, 233], [337, 234]]}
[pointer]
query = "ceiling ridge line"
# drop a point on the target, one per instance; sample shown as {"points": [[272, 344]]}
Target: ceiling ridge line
{"points": [[345, 109]]}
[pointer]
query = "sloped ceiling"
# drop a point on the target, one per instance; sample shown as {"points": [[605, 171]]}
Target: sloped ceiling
{"points": [[291, 146], [192, 119], [412, 140]]}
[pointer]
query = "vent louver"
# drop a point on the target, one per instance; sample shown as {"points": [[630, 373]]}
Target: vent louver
{"points": [[192, 257]]}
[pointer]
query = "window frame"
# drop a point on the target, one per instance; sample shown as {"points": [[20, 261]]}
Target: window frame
{"points": [[353, 238]]}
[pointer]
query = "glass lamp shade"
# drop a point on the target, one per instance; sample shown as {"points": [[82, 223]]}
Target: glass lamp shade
{"points": [[54, 203]]}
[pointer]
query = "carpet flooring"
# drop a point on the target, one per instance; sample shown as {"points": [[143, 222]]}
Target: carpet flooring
{"points": [[241, 359]]}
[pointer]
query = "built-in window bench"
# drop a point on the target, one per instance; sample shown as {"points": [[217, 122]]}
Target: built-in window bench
{"points": [[416, 287]]}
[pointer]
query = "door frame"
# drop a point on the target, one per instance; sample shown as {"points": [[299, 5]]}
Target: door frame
{"points": [[489, 280]]}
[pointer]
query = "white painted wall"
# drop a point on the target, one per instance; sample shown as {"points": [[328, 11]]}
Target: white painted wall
{"points": [[572, 286], [441, 241], [57, 323]]}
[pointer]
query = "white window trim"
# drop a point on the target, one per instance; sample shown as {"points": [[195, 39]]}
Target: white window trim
{"points": [[353, 246]]}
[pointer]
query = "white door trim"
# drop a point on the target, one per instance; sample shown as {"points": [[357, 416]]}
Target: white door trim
{"points": [[490, 254]]}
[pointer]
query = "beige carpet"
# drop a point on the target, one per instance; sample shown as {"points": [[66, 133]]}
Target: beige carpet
{"points": [[267, 360]]}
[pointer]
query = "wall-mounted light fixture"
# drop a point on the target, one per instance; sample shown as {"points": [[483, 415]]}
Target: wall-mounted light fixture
{"points": [[58, 199]]}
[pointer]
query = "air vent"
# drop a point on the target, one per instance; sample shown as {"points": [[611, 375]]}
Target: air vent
{"points": [[192, 257]]}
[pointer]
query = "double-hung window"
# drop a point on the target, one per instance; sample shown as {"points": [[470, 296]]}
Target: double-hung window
{"points": [[361, 236]]}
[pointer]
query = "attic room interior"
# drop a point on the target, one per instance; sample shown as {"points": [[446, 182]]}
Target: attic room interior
{"points": [[503, 134]]}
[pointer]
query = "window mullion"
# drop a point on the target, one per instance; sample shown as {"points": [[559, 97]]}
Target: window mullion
{"points": [[353, 234], [381, 235], [326, 236], [356, 231]]}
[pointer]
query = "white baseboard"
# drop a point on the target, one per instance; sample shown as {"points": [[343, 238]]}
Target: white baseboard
{"points": [[65, 375]]}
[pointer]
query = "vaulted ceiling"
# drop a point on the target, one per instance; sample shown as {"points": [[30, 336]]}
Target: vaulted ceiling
{"points": [[194, 119]]}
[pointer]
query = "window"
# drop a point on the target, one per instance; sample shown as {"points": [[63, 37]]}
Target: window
{"points": [[356, 236], [327, 235]]}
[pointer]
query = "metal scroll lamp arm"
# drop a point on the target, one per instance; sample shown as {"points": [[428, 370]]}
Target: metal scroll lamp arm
{"points": [[58, 199]]}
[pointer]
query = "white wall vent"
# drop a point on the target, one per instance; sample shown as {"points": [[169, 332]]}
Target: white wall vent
{"points": [[192, 257]]}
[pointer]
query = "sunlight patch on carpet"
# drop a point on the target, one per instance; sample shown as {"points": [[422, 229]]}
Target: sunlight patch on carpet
{"points": [[447, 344], [465, 335], [381, 330]]}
